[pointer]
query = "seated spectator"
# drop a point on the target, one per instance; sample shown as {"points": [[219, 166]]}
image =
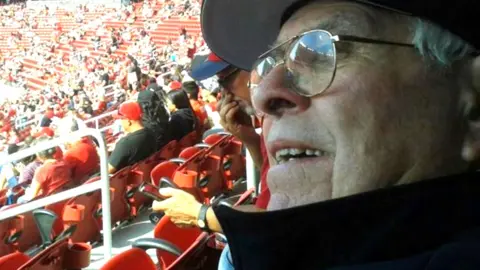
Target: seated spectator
{"points": [[8, 178], [26, 175], [155, 114], [52, 176], [182, 119], [139, 142], [81, 154], [192, 89]]}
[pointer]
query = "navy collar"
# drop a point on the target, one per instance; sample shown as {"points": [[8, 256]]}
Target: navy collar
{"points": [[381, 225]]}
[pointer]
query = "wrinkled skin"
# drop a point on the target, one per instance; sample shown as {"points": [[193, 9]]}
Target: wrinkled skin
{"points": [[387, 119]]}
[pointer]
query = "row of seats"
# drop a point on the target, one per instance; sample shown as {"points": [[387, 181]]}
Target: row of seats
{"points": [[85, 211], [206, 170]]}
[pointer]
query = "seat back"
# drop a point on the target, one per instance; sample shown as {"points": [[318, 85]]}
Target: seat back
{"points": [[198, 256], [134, 258], [164, 169], [120, 209], [207, 165], [188, 140], [140, 173], [60, 256], [88, 226], [189, 152], [10, 231], [183, 238], [13, 261], [167, 152]]}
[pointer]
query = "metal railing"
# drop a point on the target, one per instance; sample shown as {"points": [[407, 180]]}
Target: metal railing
{"points": [[103, 184], [96, 119]]}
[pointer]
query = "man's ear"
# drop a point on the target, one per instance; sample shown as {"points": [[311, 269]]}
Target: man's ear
{"points": [[471, 103]]}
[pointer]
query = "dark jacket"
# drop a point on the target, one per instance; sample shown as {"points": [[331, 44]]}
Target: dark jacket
{"points": [[433, 225]]}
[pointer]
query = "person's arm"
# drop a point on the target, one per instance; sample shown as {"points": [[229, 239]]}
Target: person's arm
{"points": [[3, 179], [111, 169], [239, 124], [183, 209]]}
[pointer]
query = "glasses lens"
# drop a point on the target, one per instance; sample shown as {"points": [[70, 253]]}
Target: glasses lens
{"points": [[264, 66], [311, 62]]}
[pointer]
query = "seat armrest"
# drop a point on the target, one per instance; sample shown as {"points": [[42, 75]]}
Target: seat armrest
{"points": [[149, 243], [178, 161]]}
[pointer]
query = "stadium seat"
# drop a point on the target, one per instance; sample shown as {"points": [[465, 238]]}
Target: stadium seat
{"points": [[120, 209], [167, 152], [188, 140], [13, 261], [189, 152], [182, 238], [59, 256], [165, 169], [10, 231], [139, 174], [134, 258], [89, 225], [208, 169]]}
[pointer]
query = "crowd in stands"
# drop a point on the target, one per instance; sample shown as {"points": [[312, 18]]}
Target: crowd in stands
{"points": [[154, 98]]}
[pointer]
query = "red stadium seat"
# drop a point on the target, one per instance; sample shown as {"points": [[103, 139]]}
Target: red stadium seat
{"points": [[134, 258], [139, 174], [13, 261], [202, 175], [167, 152], [89, 223], [165, 169], [120, 208], [189, 152], [182, 238], [59, 256], [188, 140], [10, 231]]}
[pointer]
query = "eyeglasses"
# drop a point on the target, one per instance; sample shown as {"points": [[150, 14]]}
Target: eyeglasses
{"points": [[310, 60], [226, 80]]}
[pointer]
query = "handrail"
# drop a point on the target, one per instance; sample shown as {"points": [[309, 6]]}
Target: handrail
{"points": [[103, 184], [96, 118]]}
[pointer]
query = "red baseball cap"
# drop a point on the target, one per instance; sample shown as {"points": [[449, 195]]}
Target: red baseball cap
{"points": [[175, 85], [130, 110]]}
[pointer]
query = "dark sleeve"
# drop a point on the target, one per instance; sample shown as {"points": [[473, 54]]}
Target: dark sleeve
{"points": [[119, 157]]}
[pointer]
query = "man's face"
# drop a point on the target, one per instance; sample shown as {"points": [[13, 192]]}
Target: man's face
{"points": [[236, 83], [385, 120]]}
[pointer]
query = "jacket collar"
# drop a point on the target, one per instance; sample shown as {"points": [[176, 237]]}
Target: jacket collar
{"points": [[382, 225]]}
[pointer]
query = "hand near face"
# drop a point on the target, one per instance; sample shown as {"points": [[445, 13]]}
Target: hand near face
{"points": [[181, 207], [235, 120]]}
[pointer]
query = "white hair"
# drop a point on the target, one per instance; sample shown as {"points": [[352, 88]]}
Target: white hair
{"points": [[439, 46]]}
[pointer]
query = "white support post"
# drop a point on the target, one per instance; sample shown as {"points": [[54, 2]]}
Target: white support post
{"points": [[251, 177]]}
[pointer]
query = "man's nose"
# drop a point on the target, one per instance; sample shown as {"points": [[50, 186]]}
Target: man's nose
{"points": [[274, 95]]}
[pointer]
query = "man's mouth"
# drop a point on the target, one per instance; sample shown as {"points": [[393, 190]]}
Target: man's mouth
{"points": [[291, 154]]}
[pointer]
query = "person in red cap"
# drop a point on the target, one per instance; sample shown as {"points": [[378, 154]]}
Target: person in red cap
{"points": [[137, 144]]}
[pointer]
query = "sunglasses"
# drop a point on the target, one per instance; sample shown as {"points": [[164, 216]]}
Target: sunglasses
{"points": [[226, 80], [310, 60]]}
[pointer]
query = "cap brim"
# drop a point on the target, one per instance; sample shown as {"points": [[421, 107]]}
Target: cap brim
{"points": [[238, 31], [116, 115], [207, 69]]}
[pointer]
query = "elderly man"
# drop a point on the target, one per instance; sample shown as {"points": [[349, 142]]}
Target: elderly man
{"points": [[371, 121]]}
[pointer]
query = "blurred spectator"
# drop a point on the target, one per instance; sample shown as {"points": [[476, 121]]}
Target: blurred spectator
{"points": [[52, 176], [138, 143], [155, 114], [80, 154], [182, 120]]}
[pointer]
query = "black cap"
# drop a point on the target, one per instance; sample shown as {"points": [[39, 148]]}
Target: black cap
{"points": [[238, 31]]}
